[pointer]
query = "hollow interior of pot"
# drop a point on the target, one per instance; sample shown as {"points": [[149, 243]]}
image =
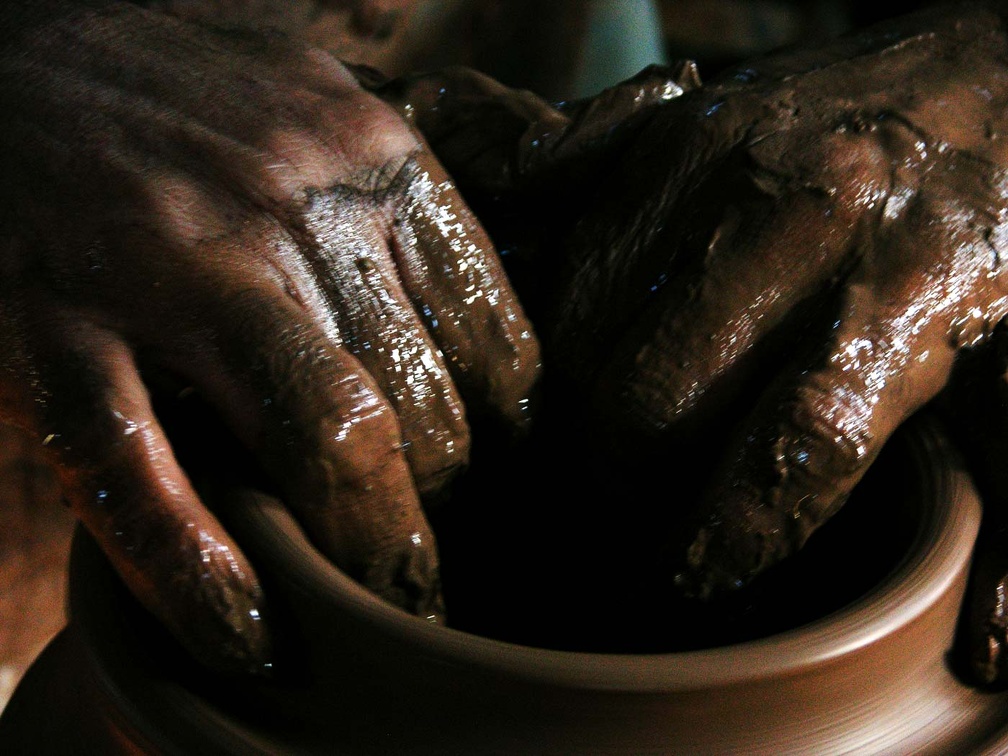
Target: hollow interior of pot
{"points": [[558, 560], [901, 532], [541, 549], [549, 546]]}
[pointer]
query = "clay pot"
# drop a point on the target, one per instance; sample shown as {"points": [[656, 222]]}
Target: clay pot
{"points": [[362, 677]]}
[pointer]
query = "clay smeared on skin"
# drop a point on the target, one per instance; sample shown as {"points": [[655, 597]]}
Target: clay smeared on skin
{"points": [[809, 239], [788, 260], [868, 176], [238, 210]]}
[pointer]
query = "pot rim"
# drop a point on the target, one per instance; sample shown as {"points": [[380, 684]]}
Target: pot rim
{"points": [[938, 555]]}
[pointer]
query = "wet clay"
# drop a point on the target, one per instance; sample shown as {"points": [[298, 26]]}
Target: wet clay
{"points": [[744, 286]]}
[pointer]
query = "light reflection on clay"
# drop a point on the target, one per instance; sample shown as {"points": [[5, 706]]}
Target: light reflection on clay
{"points": [[379, 327]]}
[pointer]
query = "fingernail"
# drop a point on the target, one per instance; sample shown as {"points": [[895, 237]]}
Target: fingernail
{"points": [[414, 581], [218, 613]]}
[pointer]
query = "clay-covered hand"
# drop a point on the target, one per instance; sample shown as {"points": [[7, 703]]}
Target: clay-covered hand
{"points": [[235, 211], [807, 243], [824, 228]]}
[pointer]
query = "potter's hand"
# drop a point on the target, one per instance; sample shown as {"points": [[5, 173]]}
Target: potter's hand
{"points": [[828, 226], [235, 211], [529, 167], [808, 243]]}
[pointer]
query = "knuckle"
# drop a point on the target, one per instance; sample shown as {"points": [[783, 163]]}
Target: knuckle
{"points": [[325, 409], [293, 159], [826, 435], [355, 449], [92, 436]]}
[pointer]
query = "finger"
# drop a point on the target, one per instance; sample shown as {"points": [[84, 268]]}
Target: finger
{"points": [[494, 139], [980, 652], [811, 437], [117, 471], [378, 319], [473, 123], [455, 279], [745, 248], [445, 263], [607, 120], [684, 362], [344, 234], [319, 425]]}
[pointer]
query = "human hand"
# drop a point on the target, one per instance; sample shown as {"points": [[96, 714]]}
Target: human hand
{"points": [[826, 243], [235, 211], [809, 242]]}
